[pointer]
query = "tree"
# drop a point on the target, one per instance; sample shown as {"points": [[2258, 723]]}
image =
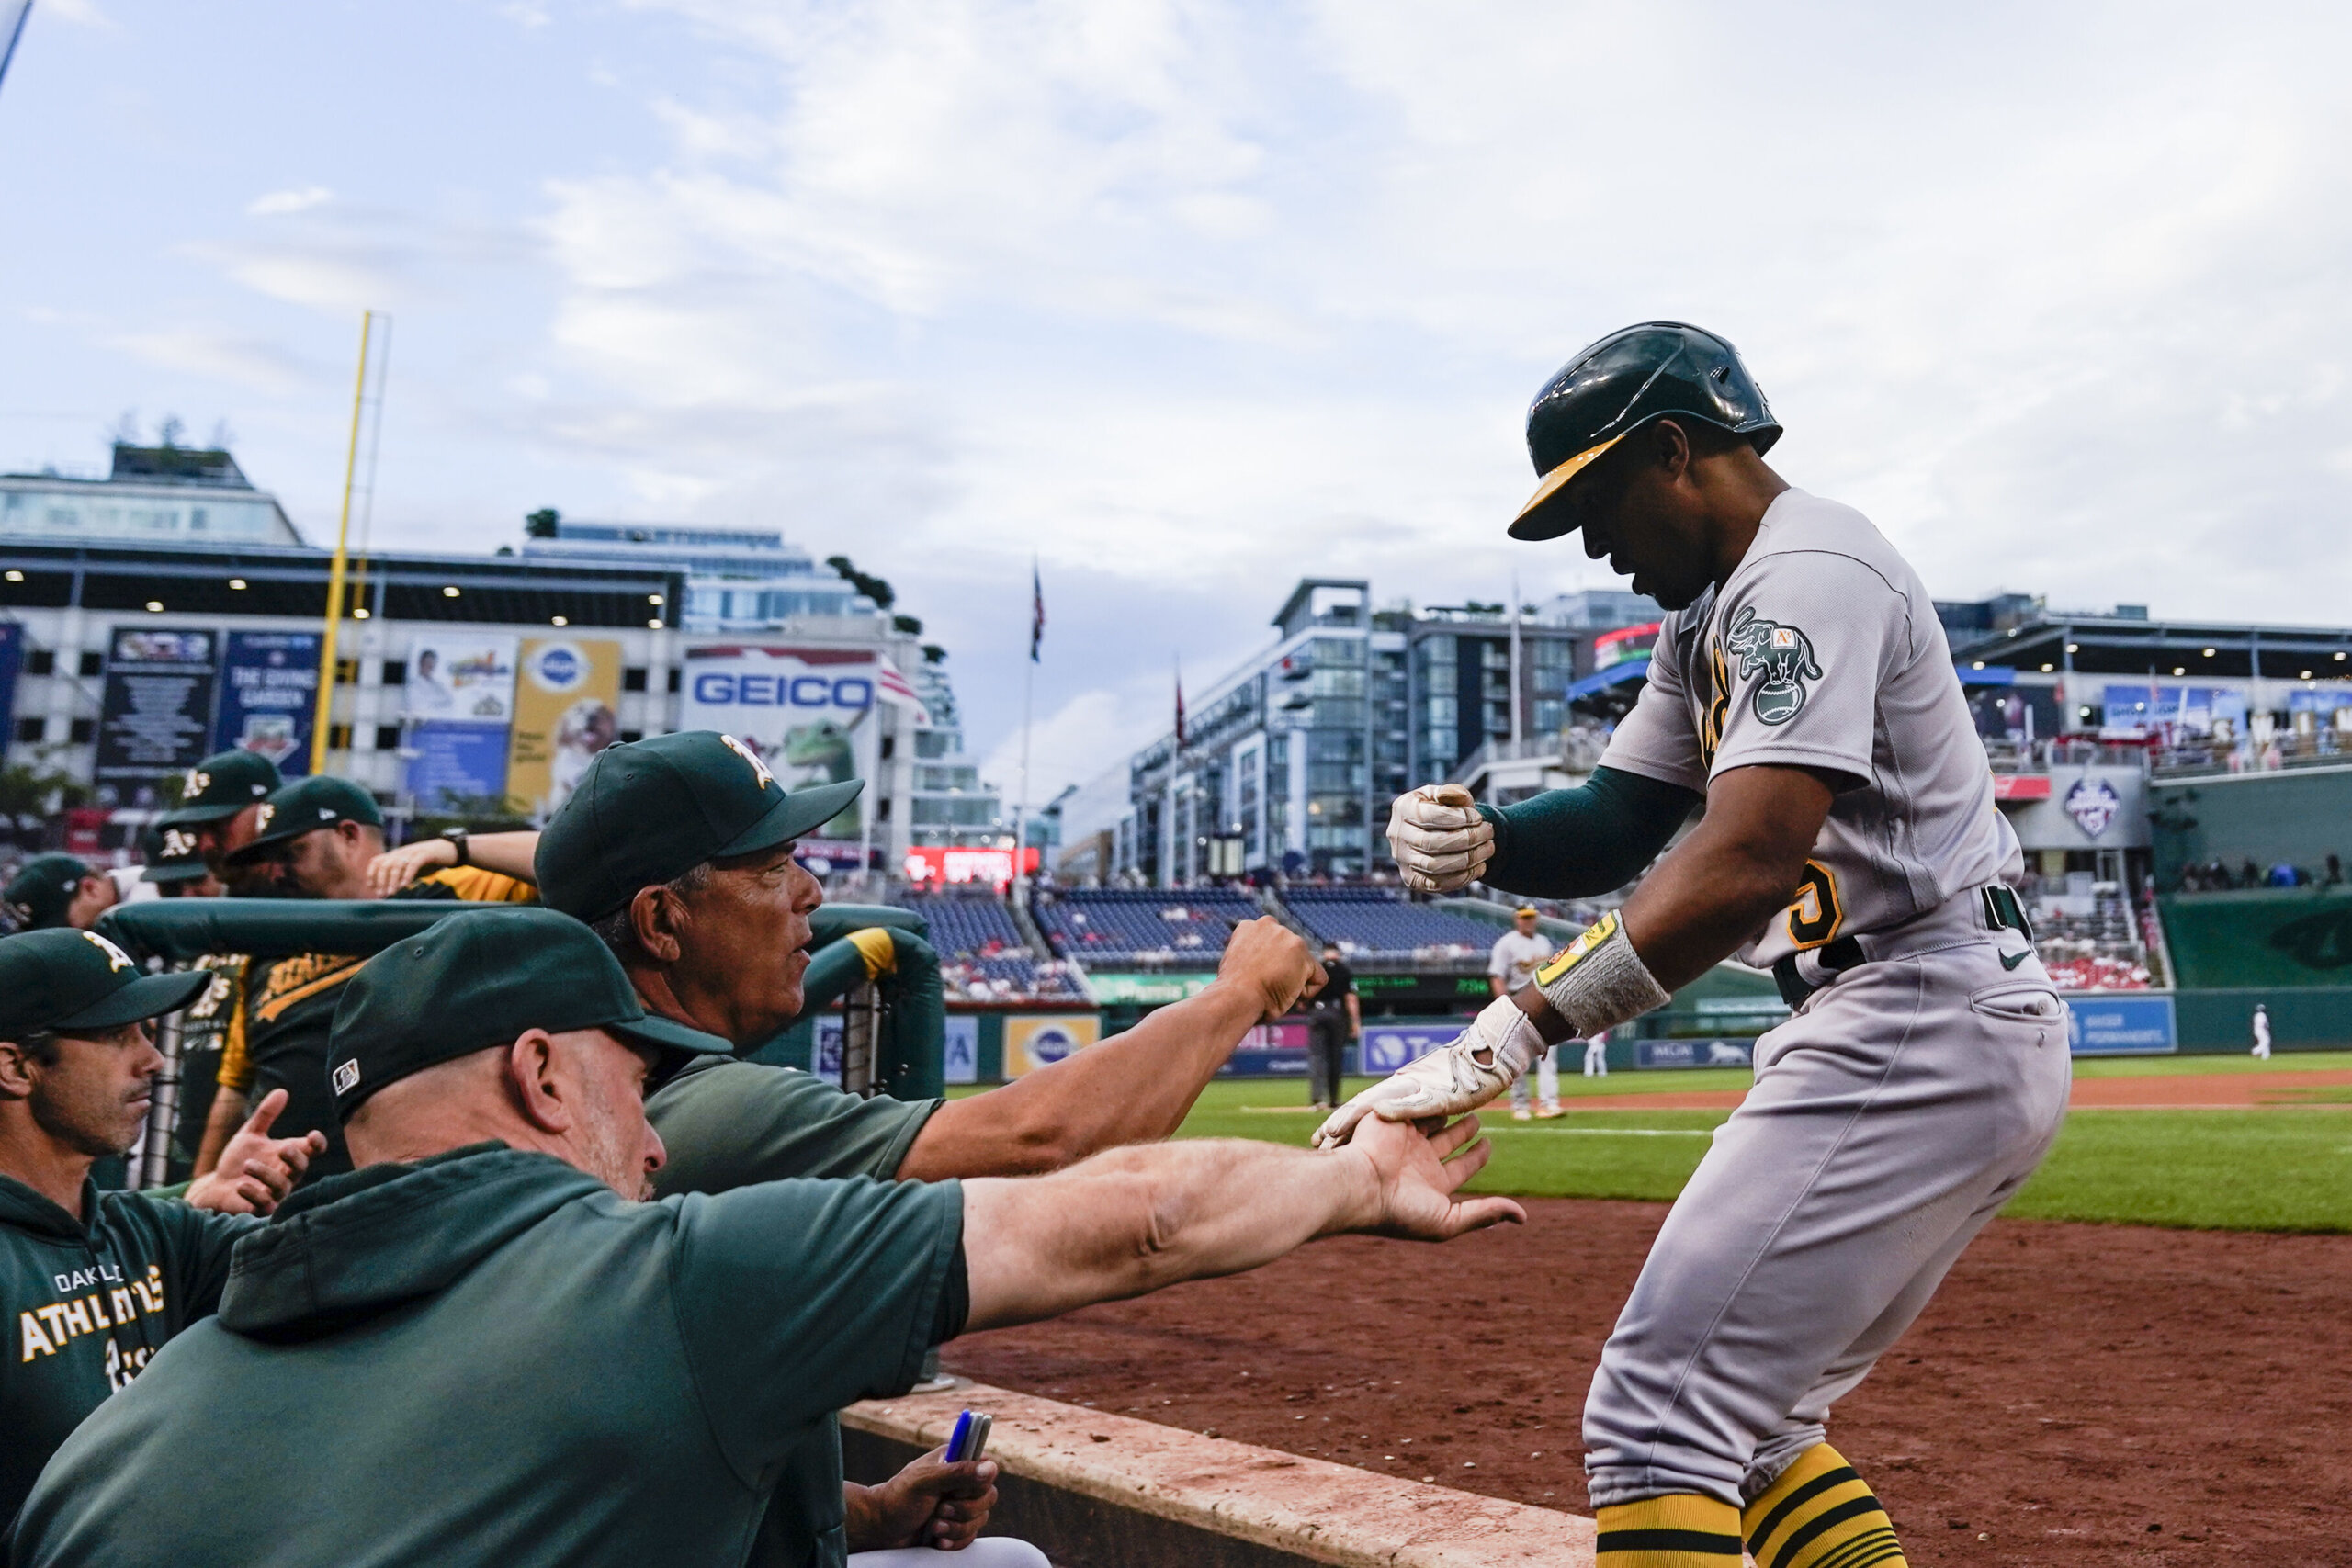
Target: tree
{"points": [[906, 624], [541, 524], [933, 654], [872, 587], [167, 434]]}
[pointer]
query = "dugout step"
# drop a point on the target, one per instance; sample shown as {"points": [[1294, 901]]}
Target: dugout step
{"points": [[1093, 1490]]}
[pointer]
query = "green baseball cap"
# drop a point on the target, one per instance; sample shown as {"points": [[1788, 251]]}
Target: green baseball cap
{"points": [[73, 981], [650, 811], [42, 889], [171, 855], [222, 785], [304, 806], [481, 979]]}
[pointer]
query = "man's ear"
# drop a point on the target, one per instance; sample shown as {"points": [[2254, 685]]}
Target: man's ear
{"points": [[659, 918], [1673, 451], [531, 1079], [15, 1071]]}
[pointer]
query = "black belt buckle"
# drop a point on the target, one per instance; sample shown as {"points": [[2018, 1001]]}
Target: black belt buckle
{"points": [[2003, 912], [1836, 958]]}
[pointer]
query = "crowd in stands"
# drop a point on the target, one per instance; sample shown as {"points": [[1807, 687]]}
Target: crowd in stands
{"points": [[1382, 923], [1118, 925], [2215, 875], [982, 955]]}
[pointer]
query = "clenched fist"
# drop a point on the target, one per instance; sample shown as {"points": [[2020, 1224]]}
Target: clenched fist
{"points": [[1438, 837]]}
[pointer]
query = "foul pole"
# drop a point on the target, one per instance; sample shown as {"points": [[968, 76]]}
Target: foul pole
{"points": [[318, 722]]}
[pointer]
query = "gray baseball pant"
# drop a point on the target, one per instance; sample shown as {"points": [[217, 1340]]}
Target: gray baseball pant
{"points": [[1891, 1116]]}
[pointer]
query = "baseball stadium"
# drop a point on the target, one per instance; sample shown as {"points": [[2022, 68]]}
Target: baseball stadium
{"points": [[1043, 788]]}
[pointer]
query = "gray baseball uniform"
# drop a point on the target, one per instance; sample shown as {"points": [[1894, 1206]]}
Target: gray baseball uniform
{"points": [[1910, 1097]]}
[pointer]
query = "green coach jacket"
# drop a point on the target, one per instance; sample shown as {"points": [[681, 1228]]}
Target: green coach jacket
{"points": [[87, 1302], [489, 1357]]}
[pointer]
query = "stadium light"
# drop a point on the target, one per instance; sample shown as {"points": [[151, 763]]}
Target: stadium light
{"points": [[238, 583], [2178, 671], [1978, 665], [2073, 648], [14, 576], [2208, 653], [2048, 668], [2339, 654], [360, 614], [559, 621], [653, 598], [156, 605], [449, 592], [654, 625]]}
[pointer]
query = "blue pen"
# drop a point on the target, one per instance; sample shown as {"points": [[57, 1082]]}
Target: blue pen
{"points": [[960, 1438]]}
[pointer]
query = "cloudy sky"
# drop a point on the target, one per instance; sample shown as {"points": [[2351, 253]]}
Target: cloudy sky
{"points": [[1191, 299]]}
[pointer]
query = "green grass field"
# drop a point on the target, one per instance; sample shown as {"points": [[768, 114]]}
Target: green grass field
{"points": [[2287, 1168]]}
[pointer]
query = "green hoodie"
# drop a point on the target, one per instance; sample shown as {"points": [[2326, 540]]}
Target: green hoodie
{"points": [[490, 1357], [87, 1302]]}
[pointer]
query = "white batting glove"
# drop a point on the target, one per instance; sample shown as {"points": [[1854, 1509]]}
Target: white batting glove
{"points": [[1439, 840], [1484, 1060]]}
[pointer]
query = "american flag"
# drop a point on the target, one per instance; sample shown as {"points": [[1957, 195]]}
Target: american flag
{"points": [[1036, 612], [894, 689], [1179, 707]]}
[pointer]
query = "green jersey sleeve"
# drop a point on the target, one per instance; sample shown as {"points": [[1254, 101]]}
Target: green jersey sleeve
{"points": [[796, 1298], [733, 1123]]}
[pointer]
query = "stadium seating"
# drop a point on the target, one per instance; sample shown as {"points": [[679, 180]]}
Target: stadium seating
{"points": [[1117, 926], [1382, 923], [982, 956]]}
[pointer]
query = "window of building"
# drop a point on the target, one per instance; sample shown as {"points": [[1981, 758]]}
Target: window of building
{"points": [[888, 747], [82, 731], [92, 664], [675, 674], [41, 661], [346, 671], [338, 738], [633, 679], [388, 738], [395, 672], [32, 729]]}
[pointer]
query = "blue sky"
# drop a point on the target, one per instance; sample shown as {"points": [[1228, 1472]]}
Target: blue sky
{"points": [[1189, 299]]}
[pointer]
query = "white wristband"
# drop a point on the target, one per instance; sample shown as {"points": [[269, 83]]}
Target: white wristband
{"points": [[1598, 981]]}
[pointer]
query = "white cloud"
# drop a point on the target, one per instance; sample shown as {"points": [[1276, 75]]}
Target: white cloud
{"points": [[1086, 734], [278, 203], [253, 363]]}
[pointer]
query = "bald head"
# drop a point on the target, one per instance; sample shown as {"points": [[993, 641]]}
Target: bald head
{"points": [[578, 1095]]}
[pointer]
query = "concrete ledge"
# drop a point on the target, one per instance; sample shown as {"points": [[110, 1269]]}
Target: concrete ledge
{"points": [[1094, 1478]]}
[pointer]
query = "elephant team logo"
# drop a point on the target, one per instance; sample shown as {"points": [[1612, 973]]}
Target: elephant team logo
{"points": [[261, 818], [178, 845], [1783, 655], [196, 783]]}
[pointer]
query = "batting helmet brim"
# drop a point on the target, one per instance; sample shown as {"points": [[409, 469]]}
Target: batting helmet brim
{"points": [[1542, 517]]}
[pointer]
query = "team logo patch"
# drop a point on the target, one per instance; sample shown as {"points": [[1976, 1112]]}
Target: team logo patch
{"points": [[766, 778], [262, 821], [2093, 804], [196, 783], [1569, 957], [178, 845], [1783, 655], [346, 1076], [116, 958]]}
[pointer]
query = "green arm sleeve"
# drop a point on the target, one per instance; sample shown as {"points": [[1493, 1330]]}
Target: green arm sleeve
{"points": [[1571, 844]]}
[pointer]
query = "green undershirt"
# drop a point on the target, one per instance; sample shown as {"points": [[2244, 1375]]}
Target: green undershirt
{"points": [[1574, 843]]}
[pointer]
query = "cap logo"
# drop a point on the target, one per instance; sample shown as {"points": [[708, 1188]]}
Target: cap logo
{"points": [[197, 783], [346, 1076], [766, 778], [178, 845], [116, 958], [267, 811], [326, 813]]}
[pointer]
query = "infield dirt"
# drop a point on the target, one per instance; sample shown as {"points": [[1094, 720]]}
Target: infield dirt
{"points": [[2076, 1393]]}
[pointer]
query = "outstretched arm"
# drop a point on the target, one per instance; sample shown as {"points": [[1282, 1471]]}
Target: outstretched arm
{"points": [[1132, 1088], [508, 854], [1565, 843], [1136, 1219]]}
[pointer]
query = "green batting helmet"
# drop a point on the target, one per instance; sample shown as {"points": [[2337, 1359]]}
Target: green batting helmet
{"points": [[1614, 386]]}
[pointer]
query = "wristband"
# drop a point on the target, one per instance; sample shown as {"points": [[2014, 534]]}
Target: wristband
{"points": [[456, 839], [1598, 981]]}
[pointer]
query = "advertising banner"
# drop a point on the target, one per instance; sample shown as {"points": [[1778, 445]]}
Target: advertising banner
{"points": [[2104, 1023], [1388, 1046], [460, 702], [1694, 1052], [1039, 1042], [963, 1049], [2198, 710], [12, 658], [928, 863], [269, 694], [156, 717], [567, 708], [807, 712], [1146, 990]]}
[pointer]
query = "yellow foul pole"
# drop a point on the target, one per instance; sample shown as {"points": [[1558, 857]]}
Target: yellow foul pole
{"points": [[335, 606]]}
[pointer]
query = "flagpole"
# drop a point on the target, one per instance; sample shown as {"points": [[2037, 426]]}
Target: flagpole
{"points": [[1028, 688], [1518, 730]]}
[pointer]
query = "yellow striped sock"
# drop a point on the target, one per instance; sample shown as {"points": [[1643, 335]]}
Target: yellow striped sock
{"points": [[1819, 1514], [1677, 1531]]}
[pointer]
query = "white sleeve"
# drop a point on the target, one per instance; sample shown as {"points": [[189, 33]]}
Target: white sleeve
{"points": [[1804, 644], [1496, 964], [1658, 740]]}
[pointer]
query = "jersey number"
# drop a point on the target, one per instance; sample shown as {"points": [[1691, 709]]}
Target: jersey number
{"points": [[1814, 914]]}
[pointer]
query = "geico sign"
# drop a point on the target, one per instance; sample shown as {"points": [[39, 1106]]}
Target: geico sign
{"points": [[720, 689]]}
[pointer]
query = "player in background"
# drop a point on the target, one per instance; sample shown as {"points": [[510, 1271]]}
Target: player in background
{"points": [[1596, 1054], [2261, 1032], [1802, 694], [1512, 964]]}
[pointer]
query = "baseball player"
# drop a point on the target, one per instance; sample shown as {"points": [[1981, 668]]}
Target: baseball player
{"points": [[1512, 964], [1596, 1054], [2261, 1032], [1801, 696]]}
